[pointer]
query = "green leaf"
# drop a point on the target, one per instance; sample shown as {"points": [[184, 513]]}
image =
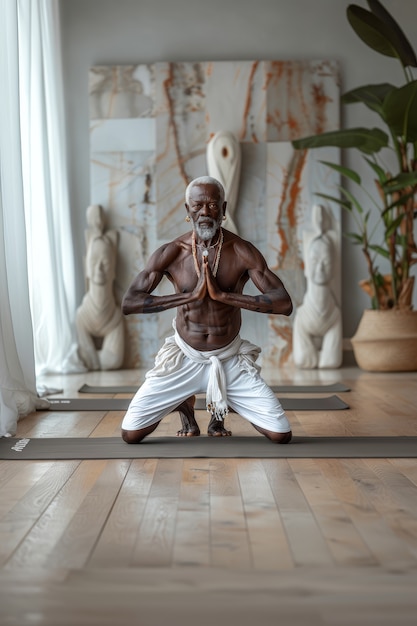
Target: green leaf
{"points": [[400, 111], [402, 240], [382, 177], [382, 251], [379, 279], [357, 239], [367, 140], [372, 96], [408, 52], [400, 181], [345, 171], [394, 225], [343, 203], [398, 202], [379, 35], [351, 199]]}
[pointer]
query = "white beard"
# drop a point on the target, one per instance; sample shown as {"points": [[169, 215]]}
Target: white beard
{"points": [[207, 232]]}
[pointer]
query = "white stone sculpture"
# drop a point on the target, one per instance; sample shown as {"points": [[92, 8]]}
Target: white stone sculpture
{"points": [[99, 320], [317, 332], [223, 163]]}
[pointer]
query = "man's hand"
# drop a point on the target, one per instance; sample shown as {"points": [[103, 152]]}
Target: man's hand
{"points": [[213, 289], [200, 290]]}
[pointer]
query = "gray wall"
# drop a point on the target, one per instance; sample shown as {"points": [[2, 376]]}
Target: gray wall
{"points": [[142, 31]]}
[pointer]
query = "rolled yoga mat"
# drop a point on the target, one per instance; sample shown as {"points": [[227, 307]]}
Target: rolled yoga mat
{"points": [[204, 446]]}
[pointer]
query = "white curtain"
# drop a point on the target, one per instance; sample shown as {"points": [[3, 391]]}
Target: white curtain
{"points": [[17, 368], [45, 189], [37, 283]]}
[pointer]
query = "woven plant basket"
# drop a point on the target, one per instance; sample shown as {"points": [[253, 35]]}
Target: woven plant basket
{"points": [[386, 341]]}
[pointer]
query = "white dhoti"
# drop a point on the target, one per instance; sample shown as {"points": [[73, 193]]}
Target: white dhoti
{"points": [[229, 377]]}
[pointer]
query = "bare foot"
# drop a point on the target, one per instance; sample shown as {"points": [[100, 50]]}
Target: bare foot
{"points": [[216, 428], [189, 425]]}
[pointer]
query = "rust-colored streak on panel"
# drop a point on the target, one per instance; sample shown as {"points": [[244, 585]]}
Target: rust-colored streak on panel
{"points": [[300, 101], [248, 103], [320, 101], [167, 88], [284, 332], [294, 190], [275, 73], [289, 201]]}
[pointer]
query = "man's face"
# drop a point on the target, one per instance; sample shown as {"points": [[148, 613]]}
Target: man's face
{"points": [[206, 210]]}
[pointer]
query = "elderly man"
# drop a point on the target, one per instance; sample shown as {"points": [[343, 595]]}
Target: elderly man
{"points": [[208, 268]]}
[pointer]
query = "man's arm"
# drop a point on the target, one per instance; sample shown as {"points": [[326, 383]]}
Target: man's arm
{"points": [[139, 299], [273, 299]]}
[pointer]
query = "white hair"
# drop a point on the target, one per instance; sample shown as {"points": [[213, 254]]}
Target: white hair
{"points": [[204, 180]]}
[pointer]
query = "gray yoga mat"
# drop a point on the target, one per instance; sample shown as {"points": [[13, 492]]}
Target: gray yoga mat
{"points": [[329, 403], [334, 387], [204, 446]]}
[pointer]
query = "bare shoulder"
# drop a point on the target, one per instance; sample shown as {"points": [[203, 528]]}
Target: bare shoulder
{"points": [[168, 253], [245, 250]]}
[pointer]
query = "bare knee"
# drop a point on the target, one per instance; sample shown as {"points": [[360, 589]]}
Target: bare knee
{"points": [[136, 436], [274, 437], [279, 437]]}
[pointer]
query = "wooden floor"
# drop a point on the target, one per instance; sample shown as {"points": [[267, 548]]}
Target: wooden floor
{"points": [[215, 541]]}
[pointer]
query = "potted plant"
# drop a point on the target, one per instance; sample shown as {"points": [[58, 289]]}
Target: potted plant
{"points": [[384, 217]]}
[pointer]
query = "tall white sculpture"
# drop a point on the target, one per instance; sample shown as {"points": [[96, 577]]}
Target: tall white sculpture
{"points": [[317, 332], [223, 163], [99, 320]]}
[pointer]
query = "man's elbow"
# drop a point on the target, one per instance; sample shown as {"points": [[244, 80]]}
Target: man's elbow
{"points": [[288, 307], [126, 306]]}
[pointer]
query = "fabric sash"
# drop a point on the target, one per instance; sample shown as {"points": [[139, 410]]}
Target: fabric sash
{"points": [[170, 357]]}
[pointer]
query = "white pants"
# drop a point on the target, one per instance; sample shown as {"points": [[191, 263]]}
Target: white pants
{"points": [[247, 394]]}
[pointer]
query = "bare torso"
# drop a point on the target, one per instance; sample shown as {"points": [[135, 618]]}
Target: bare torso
{"points": [[207, 324], [208, 306]]}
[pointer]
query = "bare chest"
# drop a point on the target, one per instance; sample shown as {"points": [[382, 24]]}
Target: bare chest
{"points": [[185, 274]]}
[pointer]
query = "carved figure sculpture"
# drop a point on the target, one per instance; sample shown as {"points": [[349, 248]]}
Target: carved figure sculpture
{"points": [[317, 333], [223, 162], [99, 320]]}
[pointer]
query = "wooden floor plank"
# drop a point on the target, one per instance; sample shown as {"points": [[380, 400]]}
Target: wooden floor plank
{"points": [[192, 532], [117, 540], [388, 549], [53, 521], [60, 424], [340, 534], [109, 425], [16, 479], [229, 547], [267, 537], [306, 541], [155, 541], [229, 532], [407, 467], [22, 523], [85, 527]]}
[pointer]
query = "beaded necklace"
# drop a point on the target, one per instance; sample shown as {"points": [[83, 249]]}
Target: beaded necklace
{"points": [[205, 253], [213, 245]]}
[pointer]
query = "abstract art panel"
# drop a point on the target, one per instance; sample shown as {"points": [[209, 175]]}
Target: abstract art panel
{"points": [[149, 130]]}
